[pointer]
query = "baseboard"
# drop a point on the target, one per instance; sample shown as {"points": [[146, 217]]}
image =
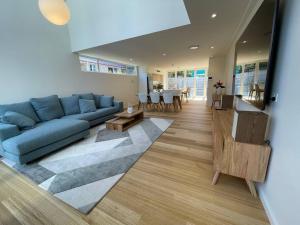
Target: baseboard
{"points": [[267, 208]]}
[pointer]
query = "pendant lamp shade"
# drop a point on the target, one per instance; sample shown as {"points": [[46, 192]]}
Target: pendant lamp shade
{"points": [[55, 11]]}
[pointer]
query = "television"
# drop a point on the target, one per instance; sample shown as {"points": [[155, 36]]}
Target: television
{"points": [[255, 56]]}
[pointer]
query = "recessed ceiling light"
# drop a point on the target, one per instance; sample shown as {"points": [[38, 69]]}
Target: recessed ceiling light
{"points": [[212, 47], [214, 15], [244, 42], [193, 47], [164, 54]]}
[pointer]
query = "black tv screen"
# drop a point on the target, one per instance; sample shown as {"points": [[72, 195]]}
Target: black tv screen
{"points": [[255, 56]]}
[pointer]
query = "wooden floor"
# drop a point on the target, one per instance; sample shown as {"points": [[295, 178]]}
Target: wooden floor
{"points": [[169, 185]]}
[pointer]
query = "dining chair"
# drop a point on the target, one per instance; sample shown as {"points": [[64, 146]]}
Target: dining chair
{"points": [[168, 100], [258, 92], [143, 100], [155, 100], [186, 94], [252, 89]]}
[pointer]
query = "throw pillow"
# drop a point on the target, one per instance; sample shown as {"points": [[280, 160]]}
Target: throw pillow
{"points": [[18, 119], [24, 108], [47, 108], [87, 96], [87, 106], [70, 105], [106, 101]]}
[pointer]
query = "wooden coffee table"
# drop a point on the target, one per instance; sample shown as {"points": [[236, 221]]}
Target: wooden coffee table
{"points": [[125, 120]]}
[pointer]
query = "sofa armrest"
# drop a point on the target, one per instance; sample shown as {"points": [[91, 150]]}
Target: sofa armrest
{"points": [[119, 105], [7, 131]]}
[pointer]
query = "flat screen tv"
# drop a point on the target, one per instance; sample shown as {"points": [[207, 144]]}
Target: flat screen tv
{"points": [[255, 56]]}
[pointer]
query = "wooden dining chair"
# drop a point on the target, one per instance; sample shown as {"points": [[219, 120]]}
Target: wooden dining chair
{"points": [[186, 93], [257, 92], [252, 89]]}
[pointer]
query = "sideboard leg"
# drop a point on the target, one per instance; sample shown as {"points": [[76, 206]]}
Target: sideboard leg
{"points": [[216, 177], [252, 188]]}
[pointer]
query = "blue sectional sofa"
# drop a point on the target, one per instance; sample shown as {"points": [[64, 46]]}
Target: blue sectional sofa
{"points": [[30, 130]]}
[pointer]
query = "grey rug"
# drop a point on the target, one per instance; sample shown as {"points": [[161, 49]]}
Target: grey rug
{"points": [[81, 174]]}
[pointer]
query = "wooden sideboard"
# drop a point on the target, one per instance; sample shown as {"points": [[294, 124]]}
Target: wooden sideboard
{"points": [[242, 160]]}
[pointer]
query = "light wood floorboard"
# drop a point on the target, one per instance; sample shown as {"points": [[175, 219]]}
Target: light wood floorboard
{"points": [[169, 185]]}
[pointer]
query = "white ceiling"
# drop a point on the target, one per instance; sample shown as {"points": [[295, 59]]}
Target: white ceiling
{"points": [[98, 22], [203, 30]]}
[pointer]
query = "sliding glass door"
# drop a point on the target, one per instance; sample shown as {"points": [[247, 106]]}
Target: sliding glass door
{"points": [[201, 83], [194, 79]]}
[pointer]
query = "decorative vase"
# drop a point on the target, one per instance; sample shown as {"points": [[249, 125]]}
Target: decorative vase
{"points": [[130, 109], [219, 90]]}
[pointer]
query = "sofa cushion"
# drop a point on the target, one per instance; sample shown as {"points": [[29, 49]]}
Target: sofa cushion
{"points": [[44, 134], [87, 106], [87, 96], [106, 101], [18, 119], [97, 100], [70, 105], [47, 108], [24, 108], [93, 115]]}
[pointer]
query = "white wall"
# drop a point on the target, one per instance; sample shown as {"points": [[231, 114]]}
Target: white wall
{"points": [[36, 59], [99, 22], [281, 191], [216, 70]]}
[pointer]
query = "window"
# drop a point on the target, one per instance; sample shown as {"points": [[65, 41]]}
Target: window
{"points": [[180, 79], [172, 80], [238, 74], [200, 72], [89, 64], [248, 74], [195, 80], [262, 73]]}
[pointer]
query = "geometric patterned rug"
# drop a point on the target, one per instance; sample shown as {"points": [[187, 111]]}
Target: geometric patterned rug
{"points": [[82, 173]]}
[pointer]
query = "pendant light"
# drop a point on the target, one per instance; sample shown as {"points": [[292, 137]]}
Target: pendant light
{"points": [[55, 11]]}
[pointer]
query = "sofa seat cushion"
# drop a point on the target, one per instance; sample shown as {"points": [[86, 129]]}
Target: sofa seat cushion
{"points": [[44, 134], [93, 115]]}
